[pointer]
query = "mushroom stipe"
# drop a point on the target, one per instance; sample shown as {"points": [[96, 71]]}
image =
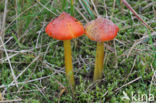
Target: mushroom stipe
{"points": [[100, 30], [66, 27]]}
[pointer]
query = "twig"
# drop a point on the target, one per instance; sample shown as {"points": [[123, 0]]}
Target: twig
{"points": [[2, 60], [0, 23], [131, 68], [136, 14], [19, 22], [12, 71], [18, 17], [2, 33], [135, 25], [24, 91], [80, 1], [153, 80], [46, 7], [105, 93], [121, 6], [113, 9], [81, 14], [95, 8], [20, 83], [4, 18], [40, 90], [19, 75], [148, 5], [139, 41], [116, 60], [11, 101], [105, 6], [39, 33], [154, 12], [28, 66], [128, 83], [63, 89], [60, 94]]}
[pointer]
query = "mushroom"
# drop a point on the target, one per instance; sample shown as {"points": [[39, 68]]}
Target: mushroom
{"points": [[66, 27], [100, 30]]}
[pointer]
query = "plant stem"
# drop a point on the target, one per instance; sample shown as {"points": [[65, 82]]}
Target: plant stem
{"points": [[99, 61], [121, 6], [68, 63], [72, 8]]}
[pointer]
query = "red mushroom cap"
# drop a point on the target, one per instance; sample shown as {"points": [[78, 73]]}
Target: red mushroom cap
{"points": [[64, 27], [101, 30]]}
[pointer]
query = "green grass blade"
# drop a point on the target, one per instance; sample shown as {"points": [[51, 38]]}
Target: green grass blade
{"points": [[72, 7], [17, 41], [88, 8], [63, 4]]}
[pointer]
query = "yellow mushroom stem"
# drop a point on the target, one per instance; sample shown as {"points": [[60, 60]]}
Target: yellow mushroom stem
{"points": [[99, 61], [68, 63]]}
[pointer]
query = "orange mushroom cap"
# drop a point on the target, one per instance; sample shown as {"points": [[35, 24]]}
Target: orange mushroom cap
{"points": [[101, 30], [64, 27]]}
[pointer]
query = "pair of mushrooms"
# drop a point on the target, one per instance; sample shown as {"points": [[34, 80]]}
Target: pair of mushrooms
{"points": [[66, 27]]}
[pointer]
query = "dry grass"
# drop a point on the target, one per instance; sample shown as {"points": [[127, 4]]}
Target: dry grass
{"points": [[32, 65]]}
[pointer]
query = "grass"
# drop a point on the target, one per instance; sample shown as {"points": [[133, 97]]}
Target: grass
{"points": [[42, 57]]}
